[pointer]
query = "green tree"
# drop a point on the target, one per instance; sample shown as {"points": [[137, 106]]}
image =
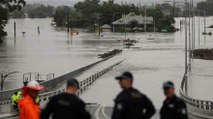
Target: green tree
{"points": [[90, 12], [167, 9], [61, 14], [89, 9], [104, 13], [41, 12], [161, 21], [206, 6], [111, 11], [6, 7], [18, 14]]}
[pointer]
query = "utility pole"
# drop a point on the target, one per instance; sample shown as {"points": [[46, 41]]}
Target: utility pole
{"points": [[192, 24], [145, 19], [195, 38], [205, 27], [173, 10], [186, 42], [186, 47], [190, 44], [187, 13], [68, 23], [99, 27], [154, 23], [199, 29], [113, 26]]}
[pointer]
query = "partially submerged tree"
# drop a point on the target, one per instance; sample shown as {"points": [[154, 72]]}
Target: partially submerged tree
{"points": [[6, 7]]}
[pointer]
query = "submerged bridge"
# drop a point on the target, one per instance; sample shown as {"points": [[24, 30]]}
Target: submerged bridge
{"points": [[198, 109], [57, 85]]}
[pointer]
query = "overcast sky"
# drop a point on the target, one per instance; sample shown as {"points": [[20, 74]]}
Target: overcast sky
{"points": [[72, 2]]}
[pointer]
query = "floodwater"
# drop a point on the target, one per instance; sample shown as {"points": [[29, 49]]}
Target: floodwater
{"points": [[155, 58]]}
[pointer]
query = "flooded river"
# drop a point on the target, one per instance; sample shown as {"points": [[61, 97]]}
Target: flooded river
{"points": [[156, 58]]}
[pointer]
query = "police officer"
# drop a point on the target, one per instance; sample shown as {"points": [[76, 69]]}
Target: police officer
{"points": [[66, 105], [130, 103], [173, 107]]}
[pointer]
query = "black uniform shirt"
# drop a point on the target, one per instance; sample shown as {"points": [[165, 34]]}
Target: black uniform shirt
{"points": [[131, 104], [174, 108], [65, 106]]}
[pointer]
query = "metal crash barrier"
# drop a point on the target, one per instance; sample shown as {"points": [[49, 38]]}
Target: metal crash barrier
{"points": [[198, 108]]}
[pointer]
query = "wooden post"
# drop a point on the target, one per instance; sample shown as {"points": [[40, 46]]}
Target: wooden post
{"points": [[99, 29], [68, 23], [14, 29], [94, 28], [38, 28]]}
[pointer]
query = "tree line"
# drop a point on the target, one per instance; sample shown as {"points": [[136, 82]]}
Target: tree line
{"points": [[84, 13], [34, 11], [6, 7], [91, 12], [206, 6]]}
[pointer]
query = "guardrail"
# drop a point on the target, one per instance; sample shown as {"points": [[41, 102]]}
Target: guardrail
{"points": [[37, 77], [83, 85], [6, 95], [201, 106]]}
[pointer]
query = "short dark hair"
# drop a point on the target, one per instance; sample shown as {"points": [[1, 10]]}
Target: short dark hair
{"points": [[73, 82], [168, 84], [126, 75]]}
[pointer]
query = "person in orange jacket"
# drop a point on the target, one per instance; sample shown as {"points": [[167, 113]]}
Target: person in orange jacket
{"points": [[29, 108]]}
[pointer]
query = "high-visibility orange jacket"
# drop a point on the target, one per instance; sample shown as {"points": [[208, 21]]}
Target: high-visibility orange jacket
{"points": [[29, 109]]}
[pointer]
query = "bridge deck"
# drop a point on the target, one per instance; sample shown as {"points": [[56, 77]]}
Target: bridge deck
{"points": [[95, 69]]}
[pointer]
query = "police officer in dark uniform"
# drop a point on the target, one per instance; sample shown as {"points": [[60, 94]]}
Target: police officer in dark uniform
{"points": [[173, 107], [130, 103], [66, 105]]}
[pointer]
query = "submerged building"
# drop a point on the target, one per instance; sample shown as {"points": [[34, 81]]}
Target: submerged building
{"points": [[133, 22]]}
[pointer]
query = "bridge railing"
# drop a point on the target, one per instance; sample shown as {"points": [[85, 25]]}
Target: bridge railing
{"points": [[6, 94], [83, 85], [201, 106], [37, 77]]}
